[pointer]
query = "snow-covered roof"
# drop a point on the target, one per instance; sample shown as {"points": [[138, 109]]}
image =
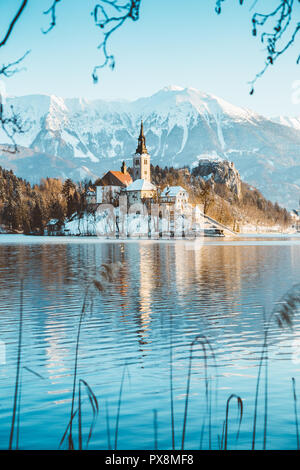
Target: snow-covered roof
{"points": [[172, 191], [141, 185], [53, 222]]}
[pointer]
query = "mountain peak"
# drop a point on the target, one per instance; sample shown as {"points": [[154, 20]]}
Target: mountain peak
{"points": [[182, 125]]}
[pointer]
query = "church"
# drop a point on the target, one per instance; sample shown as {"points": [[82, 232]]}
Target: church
{"points": [[138, 188]]}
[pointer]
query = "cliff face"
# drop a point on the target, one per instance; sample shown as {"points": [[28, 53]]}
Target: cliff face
{"points": [[223, 172]]}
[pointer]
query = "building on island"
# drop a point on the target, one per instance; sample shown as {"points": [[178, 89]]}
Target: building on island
{"points": [[91, 196], [138, 188], [175, 195], [141, 189], [141, 159], [111, 184]]}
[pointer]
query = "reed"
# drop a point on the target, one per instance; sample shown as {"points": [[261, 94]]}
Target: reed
{"points": [[240, 414], [261, 362], [17, 381], [70, 435], [95, 410], [155, 427], [203, 342], [266, 399], [171, 383], [119, 407], [108, 274], [107, 427], [283, 313], [296, 412]]}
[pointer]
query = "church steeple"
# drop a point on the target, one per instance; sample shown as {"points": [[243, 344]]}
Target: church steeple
{"points": [[141, 159], [141, 148]]}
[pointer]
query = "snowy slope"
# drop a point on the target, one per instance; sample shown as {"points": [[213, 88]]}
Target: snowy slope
{"points": [[182, 126], [293, 122]]}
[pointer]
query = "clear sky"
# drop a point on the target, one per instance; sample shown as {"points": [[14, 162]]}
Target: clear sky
{"points": [[182, 42]]}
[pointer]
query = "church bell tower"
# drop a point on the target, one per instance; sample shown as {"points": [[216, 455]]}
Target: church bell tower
{"points": [[141, 159]]}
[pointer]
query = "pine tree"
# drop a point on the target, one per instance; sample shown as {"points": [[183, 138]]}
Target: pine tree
{"points": [[37, 218]]}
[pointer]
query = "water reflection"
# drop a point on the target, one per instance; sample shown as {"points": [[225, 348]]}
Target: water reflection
{"points": [[219, 290]]}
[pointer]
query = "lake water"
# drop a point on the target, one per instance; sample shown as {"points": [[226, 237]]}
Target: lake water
{"points": [[167, 292]]}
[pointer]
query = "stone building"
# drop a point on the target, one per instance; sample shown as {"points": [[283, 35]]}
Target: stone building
{"points": [[140, 191], [176, 196], [111, 184], [141, 159]]}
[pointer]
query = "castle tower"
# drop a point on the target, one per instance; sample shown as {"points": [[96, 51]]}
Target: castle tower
{"points": [[141, 159]]}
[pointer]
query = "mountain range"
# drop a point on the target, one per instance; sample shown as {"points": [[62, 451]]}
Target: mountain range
{"points": [[78, 138]]}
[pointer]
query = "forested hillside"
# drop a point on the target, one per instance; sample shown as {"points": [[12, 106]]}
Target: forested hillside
{"points": [[224, 196], [27, 208]]}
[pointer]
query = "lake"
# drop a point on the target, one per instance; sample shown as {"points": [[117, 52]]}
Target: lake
{"points": [[166, 294]]}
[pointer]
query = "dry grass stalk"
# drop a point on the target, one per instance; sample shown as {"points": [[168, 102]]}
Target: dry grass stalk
{"points": [[288, 305], [108, 274]]}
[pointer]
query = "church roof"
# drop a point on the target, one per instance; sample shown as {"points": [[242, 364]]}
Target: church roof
{"points": [[141, 185], [115, 178], [141, 148], [125, 178]]}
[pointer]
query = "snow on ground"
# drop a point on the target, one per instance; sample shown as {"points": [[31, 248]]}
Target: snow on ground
{"points": [[103, 224]]}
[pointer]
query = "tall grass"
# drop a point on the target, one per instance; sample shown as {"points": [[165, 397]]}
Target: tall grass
{"points": [[17, 381], [204, 343], [155, 427], [107, 276], [225, 426], [296, 412], [108, 427], [119, 408], [283, 313], [171, 383]]}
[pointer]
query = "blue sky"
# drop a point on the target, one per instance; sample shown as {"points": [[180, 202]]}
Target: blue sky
{"points": [[171, 44]]}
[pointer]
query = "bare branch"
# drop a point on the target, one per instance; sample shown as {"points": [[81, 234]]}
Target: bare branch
{"points": [[13, 22], [280, 38], [12, 124], [7, 70], [51, 11], [110, 22]]}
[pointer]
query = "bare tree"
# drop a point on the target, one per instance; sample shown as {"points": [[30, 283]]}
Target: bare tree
{"points": [[11, 122], [109, 22], [276, 28]]}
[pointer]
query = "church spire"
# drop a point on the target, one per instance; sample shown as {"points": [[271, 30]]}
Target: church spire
{"points": [[141, 148]]}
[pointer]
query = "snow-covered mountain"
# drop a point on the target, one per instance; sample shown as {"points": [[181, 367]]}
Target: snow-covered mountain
{"points": [[81, 138], [293, 122]]}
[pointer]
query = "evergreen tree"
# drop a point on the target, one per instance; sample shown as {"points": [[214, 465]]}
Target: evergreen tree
{"points": [[37, 218]]}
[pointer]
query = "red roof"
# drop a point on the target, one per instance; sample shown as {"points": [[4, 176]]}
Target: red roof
{"points": [[125, 178]]}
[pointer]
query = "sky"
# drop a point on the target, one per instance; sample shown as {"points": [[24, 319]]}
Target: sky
{"points": [[175, 42]]}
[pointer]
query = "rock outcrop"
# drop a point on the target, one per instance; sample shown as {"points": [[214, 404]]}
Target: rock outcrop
{"points": [[223, 172]]}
